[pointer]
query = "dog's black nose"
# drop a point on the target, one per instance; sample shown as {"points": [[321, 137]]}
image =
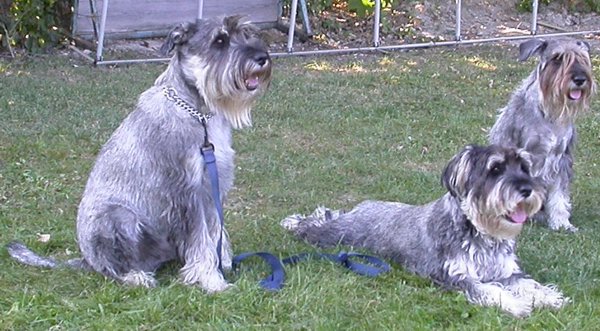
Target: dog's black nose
{"points": [[261, 58], [525, 190], [579, 79]]}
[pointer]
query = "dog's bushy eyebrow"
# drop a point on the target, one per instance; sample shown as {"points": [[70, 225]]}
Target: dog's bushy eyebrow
{"points": [[494, 159]]}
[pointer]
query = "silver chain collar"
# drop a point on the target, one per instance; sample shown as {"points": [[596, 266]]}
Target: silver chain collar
{"points": [[171, 95]]}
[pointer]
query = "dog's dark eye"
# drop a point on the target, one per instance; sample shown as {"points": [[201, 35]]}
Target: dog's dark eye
{"points": [[557, 60], [497, 169], [525, 168], [221, 40]]}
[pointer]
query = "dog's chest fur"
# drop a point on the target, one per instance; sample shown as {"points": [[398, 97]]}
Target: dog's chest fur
{"points": [[165, 146], [482, 260], [523, 124]]}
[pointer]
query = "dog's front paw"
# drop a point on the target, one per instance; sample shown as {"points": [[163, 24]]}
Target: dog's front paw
{"points": [[139, 278], [518, 307], [215, 286], [562, 224], [208, 277], [292, 222], [550, 297]]}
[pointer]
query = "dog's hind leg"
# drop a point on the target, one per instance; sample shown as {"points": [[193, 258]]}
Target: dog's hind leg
{"points": [[120, 243], [322, 227]]}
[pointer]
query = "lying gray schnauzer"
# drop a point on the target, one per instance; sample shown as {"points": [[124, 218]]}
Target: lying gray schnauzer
{"points": [[539, 118], [465, 240], [147, 200]]}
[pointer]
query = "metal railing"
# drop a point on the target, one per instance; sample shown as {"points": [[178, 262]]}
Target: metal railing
{"points": [[376, 38]]}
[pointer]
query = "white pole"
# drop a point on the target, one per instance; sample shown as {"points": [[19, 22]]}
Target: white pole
{"points": [[291, 31], [457, 35], [102, 29], [534, 12], [200, 10], [376, 20]]}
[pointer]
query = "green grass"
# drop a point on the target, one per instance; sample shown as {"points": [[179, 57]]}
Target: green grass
{"points": [[330, 131]]}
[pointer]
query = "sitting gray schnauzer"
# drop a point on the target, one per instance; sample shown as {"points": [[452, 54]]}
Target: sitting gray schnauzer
{"points": [[147, 200], [464, 240], [539, 118]]}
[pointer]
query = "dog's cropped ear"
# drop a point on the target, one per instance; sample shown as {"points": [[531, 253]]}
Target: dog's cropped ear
{"points": [[179, 35], [456, 173], [531, 47], [231, 22], [585, 45]]}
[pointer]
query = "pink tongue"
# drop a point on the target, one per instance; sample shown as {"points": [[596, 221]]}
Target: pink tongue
{"points": [[575, 94], [252, 83], [519, 215]]}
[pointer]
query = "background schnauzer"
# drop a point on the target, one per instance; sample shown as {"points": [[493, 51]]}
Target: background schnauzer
{"points": [[465, 240], [147, 199], [540, 114]]}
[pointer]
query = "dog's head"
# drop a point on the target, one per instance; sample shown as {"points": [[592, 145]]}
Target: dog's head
{"points": [[564, 74], [494, 188], [227, 62]]}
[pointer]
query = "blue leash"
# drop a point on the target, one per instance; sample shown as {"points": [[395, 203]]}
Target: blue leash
{"points": [[275, 280], [277, 277], [211, 165], [374, 268]]}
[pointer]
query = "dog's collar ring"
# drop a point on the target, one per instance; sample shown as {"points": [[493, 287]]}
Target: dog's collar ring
{"points": [[171, 95]]}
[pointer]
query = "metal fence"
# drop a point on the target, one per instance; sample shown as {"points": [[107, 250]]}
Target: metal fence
{"points": [[458, 40]]}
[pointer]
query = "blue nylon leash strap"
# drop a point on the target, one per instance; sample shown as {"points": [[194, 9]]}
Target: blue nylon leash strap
{"points": [[275, 280], [373, 268], [211, 166]]}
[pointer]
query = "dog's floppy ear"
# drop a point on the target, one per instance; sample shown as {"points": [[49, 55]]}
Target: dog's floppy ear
{"points": [[531, 47], [456, 173], [177, 36]]}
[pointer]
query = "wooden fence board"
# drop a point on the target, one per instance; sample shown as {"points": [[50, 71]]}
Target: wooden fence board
{"points": [[131, 18]]}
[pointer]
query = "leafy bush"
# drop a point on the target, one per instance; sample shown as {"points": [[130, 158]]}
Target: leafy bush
{"points": [[34, 24], [362, 8], [584, 6]]}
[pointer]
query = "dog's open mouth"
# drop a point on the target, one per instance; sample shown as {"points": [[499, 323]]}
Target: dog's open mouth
{"points": [[575, 94], [519, 215], [252, 82]]}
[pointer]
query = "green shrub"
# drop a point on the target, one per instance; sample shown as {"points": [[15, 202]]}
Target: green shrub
{"points": [[583, 6], [35, 24]]}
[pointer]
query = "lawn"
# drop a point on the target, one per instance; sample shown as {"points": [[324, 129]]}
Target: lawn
{"points": [[331, 131]]}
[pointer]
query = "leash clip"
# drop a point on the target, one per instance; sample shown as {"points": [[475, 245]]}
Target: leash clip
{"points": [[207, 147]]}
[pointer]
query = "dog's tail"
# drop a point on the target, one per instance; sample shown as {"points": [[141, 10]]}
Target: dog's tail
{"points": [[22, 254], [322, 227]]}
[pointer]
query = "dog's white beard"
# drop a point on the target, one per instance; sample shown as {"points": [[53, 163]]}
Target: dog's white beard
{"points": [[229, 100], [237, 112]]}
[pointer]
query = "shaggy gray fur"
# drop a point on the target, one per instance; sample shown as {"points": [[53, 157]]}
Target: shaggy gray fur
{"points": [[465, 240], [540, 118], [147, 200]]}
